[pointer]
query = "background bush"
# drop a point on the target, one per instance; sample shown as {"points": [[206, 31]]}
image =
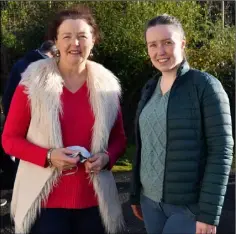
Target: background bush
{"points": [[210, 47]]}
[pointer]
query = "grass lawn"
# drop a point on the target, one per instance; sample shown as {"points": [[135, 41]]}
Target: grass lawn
{"points": [[125, 162]]}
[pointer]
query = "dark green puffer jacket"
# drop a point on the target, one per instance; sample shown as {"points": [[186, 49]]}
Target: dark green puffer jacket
{"points": [[199, 144]]}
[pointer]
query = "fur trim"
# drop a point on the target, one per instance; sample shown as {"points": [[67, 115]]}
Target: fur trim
{"points": [[44, 86], [109, 202], [104, 99], [104, 183], [35, 209]]}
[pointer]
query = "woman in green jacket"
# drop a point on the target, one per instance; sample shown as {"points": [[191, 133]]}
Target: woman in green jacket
{"points": [[183, 138]]}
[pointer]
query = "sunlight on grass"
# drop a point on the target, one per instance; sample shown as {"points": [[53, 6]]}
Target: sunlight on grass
{"points": [[122, 168], [125, 162]]}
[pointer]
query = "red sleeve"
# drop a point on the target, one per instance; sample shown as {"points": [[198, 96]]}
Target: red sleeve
{"points": [[15, 130], [117, 141]]}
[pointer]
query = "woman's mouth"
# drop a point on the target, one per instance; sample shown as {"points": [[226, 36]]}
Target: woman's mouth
{"points": [[164, 60], [75, 52]]}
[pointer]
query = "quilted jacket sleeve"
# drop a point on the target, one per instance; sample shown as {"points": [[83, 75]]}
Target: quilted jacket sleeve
{"points": [[219, 140]]}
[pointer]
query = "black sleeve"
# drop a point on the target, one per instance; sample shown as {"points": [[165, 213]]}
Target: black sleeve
{"points": [[13, 81]]}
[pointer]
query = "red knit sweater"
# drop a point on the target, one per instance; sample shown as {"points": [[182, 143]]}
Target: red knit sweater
{"points": [[72, 191]]}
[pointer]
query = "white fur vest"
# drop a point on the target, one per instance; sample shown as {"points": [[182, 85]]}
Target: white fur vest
{"points": [[33, 183]]}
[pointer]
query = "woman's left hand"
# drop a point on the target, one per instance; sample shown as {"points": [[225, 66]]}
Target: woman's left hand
{"points": [[204, 228], [96, 163]]}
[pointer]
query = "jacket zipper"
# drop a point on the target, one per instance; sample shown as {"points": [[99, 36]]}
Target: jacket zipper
{"points": [[167, 136]]}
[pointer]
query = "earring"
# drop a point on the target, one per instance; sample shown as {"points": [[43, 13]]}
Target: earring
{"points": [[91, 54], [56, 55]]}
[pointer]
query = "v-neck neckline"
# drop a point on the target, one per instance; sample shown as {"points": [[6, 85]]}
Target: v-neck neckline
{"points": [[78, 90], [159, 89]]}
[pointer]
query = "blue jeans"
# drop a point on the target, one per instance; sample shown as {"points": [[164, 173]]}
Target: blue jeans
{"points": [[162, 218]]}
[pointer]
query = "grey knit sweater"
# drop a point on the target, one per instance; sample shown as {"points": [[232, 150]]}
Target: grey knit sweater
{"points": [[152, 124]]}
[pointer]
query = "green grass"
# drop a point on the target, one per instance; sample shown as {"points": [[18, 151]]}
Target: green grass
{"points": [[125, 162]]}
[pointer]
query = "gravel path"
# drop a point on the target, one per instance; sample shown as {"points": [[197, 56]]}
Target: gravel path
{"points": [[227, 223]]}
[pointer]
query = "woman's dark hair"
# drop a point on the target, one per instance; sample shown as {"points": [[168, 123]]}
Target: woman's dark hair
{"points": [[78, 12], [166, 20]]}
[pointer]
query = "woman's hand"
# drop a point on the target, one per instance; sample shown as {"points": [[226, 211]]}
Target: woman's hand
{"points": [[204, 228], [96, 163], [61, 160], [137, 211]]}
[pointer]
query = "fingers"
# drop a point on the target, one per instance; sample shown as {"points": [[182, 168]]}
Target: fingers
{"points": [[97, 162], [69, 167], [211, 229], [61, 160], [214, 230], [137, 211], [208, 231], [89, 167], [67, 151], [70, 160], [94, 158], [94, 163], [199, 231], [203, 228]]}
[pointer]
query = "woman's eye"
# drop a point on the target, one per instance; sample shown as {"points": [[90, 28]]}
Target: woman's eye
{"points": [[168, 43], [152, 45], [82, 36], [66, 37]]}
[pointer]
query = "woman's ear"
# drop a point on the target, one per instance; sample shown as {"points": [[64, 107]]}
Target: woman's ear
{"points": [[183, 44], [93, 41]]}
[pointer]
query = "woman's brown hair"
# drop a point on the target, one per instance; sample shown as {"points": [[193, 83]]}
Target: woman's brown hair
{"points": [[78, 12]]}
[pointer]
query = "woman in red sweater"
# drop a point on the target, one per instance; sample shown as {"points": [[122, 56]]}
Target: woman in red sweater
{"points": [[61, 102]]}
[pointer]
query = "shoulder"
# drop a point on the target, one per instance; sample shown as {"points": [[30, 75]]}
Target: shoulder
{"points": [[37, 71], [207, 85], [203, 78], [150, 83], [39, 66], [19, 66], [33, 56], [150, 86], [21, 93], [103, 76]]}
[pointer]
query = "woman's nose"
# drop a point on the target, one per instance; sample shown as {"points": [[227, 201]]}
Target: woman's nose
{"points": [[76, 41], [160, 50]]}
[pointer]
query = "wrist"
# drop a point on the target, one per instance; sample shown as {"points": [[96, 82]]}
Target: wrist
{"points": [[107, 160], [49, 161]]}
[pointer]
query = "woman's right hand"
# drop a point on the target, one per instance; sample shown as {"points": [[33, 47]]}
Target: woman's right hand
{"points": [[61, 160], [137, 211]]}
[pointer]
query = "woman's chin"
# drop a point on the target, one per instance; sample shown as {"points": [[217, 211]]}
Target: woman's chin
{"points": [[76, 61]]}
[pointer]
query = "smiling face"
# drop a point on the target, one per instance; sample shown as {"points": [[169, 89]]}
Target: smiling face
{"points": [[165, 47], [74, 41]]}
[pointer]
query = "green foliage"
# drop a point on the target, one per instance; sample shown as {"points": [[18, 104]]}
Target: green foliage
{"points": [[23, 26], [209, 46], [125, 162]]}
